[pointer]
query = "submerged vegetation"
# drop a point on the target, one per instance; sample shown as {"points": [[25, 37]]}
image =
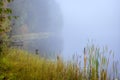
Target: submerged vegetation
{"points": [[20, 65]]}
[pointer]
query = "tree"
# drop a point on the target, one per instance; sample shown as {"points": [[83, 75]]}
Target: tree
{"points": [[5, 23]]}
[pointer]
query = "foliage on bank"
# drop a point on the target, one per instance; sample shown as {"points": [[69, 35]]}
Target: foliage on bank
{"points": [[5, 23]]}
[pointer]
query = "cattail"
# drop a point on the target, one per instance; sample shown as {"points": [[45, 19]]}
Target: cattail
{"points": [[103, 75], [36, 51], [58, 58], [85, 61]]}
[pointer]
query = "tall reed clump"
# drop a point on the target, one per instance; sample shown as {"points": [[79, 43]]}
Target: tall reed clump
{"points": [[96, 63]]}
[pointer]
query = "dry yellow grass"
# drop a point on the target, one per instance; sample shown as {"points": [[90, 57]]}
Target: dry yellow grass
{"points": [[20, 65]]}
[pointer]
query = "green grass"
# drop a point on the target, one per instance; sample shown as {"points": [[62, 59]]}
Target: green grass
{"points": [[20, 65]]}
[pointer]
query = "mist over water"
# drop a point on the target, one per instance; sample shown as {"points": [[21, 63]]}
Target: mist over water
{"points": [[39, 25], [65, 26], [97, 21]]}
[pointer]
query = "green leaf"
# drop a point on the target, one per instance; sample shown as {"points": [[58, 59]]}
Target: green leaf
{"points": [[1, 3], [8, 11], [2, 77], [1, 10], [9, 1], [9, 17], [16, 17]]}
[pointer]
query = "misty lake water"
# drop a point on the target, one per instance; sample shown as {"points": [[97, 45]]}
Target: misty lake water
{"points": [[72, 22]]}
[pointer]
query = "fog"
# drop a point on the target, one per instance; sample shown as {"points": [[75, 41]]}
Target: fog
{"points": [[94, 20], [68, 25], [39, 26]]}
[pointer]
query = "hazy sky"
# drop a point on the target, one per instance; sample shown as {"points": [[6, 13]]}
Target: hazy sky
{"points": [[97, 20]]}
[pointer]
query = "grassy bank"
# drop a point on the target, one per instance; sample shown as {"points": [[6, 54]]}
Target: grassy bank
{"points": [[20, 65]]}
